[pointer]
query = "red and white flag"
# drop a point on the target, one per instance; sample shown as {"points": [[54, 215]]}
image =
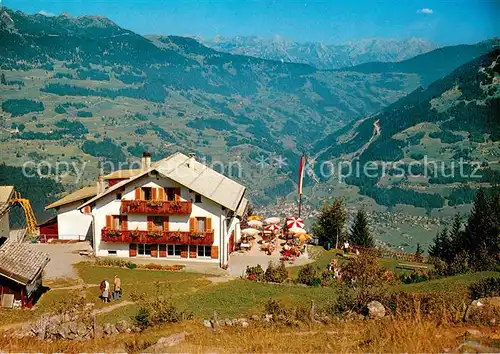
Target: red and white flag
{"points": [[302, 166]]}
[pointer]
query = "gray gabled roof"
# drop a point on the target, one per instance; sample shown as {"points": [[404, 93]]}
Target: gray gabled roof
{"points": [[193, 175], [21, 262]]}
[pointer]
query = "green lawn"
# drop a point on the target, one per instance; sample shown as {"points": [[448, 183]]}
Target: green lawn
{"points": [[235, 298], [455, 283]]}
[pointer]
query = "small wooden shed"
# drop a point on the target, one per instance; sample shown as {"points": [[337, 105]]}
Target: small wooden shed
{"points": [[21, 267]]}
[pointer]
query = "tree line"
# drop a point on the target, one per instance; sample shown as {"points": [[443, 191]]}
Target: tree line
{"points": [[474, 246]]}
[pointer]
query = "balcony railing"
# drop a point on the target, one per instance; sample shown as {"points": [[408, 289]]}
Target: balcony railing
{"points": [[156, 207], [168, 237]]}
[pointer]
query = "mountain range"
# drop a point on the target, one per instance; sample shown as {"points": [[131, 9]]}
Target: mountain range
{"points": [[86, 90], [319, 55]]}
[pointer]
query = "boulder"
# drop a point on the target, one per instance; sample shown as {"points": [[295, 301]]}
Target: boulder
{"points": [[255, 318], [82, 329], [375, 309], [172, 340], [123, 326], [73, 327], [207, 323], [109, 329], [64, 331], [268, 317], [228, 322], [484, 311]]}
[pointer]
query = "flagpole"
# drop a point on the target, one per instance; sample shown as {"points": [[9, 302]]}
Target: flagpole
{"points": [[302, 164], [300, 204]]}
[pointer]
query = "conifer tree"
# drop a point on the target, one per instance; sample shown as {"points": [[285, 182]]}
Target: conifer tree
{"points": [[3, 80], [330, 224], [360, 234]]}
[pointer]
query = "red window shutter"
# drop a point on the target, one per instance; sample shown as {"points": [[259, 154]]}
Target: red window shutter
{"points": [[177, 194], [161, 193], [124, 222], [215, 252], [138, 194], [165, 223], [192, 225], [208, 225], [154, 193], [150, 223], [132, 251], [109, 221]]}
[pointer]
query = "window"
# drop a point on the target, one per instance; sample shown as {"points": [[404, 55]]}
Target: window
{"points": [[170, 194], [174, 250], [117, 222], [112, 253], [197, 198], [118, 196], [200, 224], [143, 249], [204, 251], [148, 193], [157, 223]]}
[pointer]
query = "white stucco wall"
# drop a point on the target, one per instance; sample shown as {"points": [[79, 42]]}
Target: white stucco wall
{"points": [[4, 225], [71, 223], [109, 205]]}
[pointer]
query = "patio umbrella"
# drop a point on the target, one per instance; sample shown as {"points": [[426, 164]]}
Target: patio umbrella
{"points": [[304, 237], [272, 227], [254, 217], [297, 230], [255, 224], [249, 232], [272, 220], [294, 222]]}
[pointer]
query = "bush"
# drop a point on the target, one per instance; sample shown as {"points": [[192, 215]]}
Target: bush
{"points": [[307, 274], [276, 274], [488, 287], [414, 277], [141, 318], [255, 273], [131, 266]]}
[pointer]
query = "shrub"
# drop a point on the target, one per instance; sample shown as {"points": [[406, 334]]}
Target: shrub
{"points": [[307, 274], [141, 318], [414, 277], [131, 266], [18, 107], [276, 274], [255, 273], [488, 287]]}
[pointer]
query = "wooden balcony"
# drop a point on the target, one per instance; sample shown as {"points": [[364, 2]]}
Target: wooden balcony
{"points": [[155, 237], [156, 207]]}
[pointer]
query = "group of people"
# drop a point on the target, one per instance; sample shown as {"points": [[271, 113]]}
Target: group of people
{"points": [[106, 291]]}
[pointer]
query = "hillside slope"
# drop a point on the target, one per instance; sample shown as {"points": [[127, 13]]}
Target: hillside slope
{"points": [[455, 119], [432, 65], [88, 89]]}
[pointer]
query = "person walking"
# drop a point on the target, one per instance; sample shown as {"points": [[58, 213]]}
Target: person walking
{"points": [[117, 290], [104, 287]]}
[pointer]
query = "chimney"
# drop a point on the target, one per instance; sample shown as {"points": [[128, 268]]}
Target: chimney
{"points": [[146, 160], [192, 158], [100, 187]]}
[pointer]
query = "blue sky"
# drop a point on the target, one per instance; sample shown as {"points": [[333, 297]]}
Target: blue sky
{"points": [[442, 22]]}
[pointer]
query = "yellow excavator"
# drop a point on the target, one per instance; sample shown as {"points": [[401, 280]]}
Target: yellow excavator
{"points": [[28, 212]]}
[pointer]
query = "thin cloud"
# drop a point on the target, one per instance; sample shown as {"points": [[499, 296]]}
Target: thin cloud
{"points": [[425, 11], [45, 13]]}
